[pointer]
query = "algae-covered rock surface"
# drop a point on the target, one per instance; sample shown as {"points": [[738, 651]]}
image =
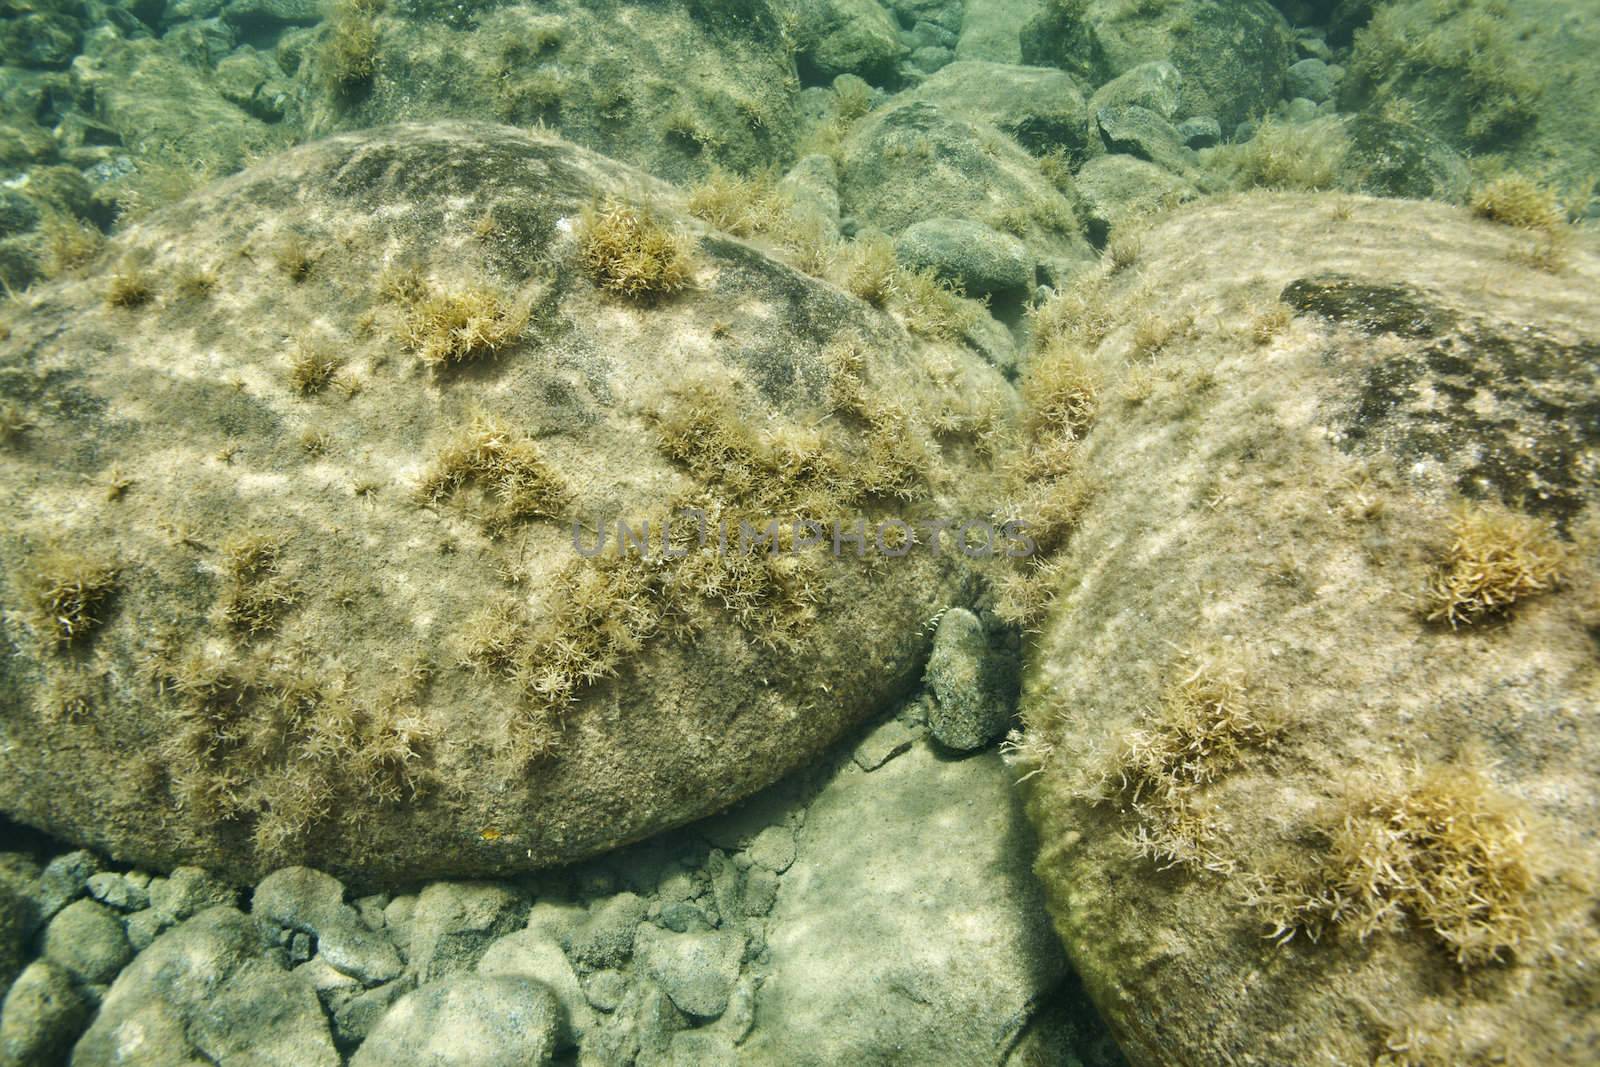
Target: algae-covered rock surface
{"points": [[314, 552], [1311, 717]]}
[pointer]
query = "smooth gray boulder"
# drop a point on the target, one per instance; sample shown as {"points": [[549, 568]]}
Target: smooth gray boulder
{"points": [[467, 1021], [974, 684], [910, 929], [204, 993], [537, 955], [978, 258]]}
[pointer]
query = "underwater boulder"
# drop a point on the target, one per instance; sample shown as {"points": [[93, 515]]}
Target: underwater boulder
{"points": [[1510, 79], [912, 161], [847, 37], [1042, 108], [1313, 712], [671, 88], [307, 478], [1388, 158], [1233, 57]]}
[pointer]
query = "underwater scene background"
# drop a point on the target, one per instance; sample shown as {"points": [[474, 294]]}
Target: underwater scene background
{"points": [[1017, 532]]}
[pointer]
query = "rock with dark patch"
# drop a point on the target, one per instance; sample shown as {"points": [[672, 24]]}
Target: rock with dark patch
{"points": [[1249, 683], [1141, 133], [1041, 107], [1389, 158], [294, 702], [1200, 132], [203, 994], [1233, 57]]}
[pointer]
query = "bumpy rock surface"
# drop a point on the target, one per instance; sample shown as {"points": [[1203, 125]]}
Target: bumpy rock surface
{"points": [[913, 160], [305, 644], [1238, 699]]}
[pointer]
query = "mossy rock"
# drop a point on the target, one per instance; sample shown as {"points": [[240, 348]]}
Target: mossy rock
{"points": [[673, 88], [913, 161], [1388, 158], [1233, 56], [1311, 721], [291, 575], [1514, 82], [1042, 108]]}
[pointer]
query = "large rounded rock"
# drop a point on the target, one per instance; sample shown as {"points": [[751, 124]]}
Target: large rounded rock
{"points": [[1389, 158], [42, 1016], [912, 161], [979, 259], [307, 457], [467, 1021], [1314, 716], [1041, 107], [87, 941], [202, 993], [1509, 79], [1233, 57]]}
